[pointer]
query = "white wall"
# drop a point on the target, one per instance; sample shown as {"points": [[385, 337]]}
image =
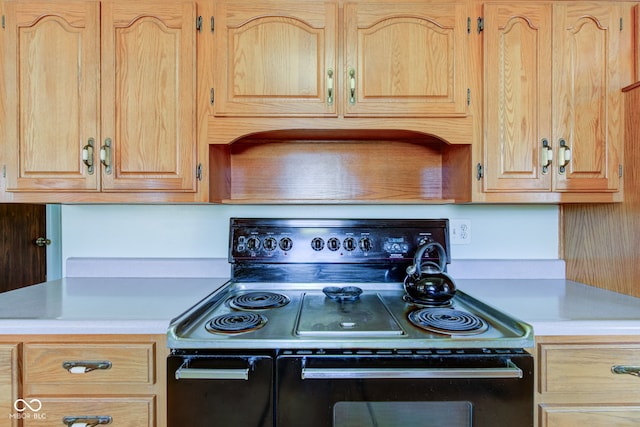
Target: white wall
{"points": [[193, 231]]}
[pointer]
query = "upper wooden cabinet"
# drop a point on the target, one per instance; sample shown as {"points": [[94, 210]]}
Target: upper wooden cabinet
{"points": [[100, 96], [553, 105], [275, 59], [52, 84], [382, 59]]}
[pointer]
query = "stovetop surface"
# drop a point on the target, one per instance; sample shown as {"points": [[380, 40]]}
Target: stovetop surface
{"points": [[378, 319]]}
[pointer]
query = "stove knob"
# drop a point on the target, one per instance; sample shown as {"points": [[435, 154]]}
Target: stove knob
{"points": [[270, 244], [317, 244], [365, 244], [286, 244], [253, 243], [333, 244], [349, 244]]}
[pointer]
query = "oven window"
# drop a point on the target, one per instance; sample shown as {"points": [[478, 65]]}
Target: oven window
{"points": [[393, 414]]}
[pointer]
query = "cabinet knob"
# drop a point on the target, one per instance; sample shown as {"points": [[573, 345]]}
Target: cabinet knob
{"points": [[42, 241]]}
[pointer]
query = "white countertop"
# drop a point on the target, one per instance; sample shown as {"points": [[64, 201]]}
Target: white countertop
{"points": [[94, 305]]}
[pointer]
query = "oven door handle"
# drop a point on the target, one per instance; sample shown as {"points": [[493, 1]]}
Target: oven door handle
{"points": [[212, 374], [511, 371]]}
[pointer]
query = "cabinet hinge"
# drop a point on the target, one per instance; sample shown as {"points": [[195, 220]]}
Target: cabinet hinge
{"points": [[479, 172], [199, 172], [4, 171], [2, 21], [468, 96], [480, 24], [468, 25], [199, 24], [620, 171], [213, 24], [212, 96], [621, 23]]}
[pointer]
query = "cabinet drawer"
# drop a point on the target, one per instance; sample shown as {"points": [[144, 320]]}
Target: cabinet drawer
{"points": [[127, 411], [591, 416], [587, 368], [89, 363]]}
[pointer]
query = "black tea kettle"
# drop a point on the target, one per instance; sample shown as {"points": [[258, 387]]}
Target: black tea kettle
{"points": [[426, 282]]}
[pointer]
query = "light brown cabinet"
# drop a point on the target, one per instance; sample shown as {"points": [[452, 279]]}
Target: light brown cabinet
{"points": [[389, 59], [120, 378], [9, 384], [100, 97], [553, 74], [582, 381]]}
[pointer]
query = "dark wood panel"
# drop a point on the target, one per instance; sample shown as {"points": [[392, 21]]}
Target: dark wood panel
{"points": [[22, 263]]}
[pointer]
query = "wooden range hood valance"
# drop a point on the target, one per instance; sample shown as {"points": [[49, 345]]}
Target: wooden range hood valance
{"points": [[306, 161]]}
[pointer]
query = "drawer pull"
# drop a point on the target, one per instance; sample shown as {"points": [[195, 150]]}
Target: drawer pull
{"points": [[82, 367], [630, 370], [86, 421]]}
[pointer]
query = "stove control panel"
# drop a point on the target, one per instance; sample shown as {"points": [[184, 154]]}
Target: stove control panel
{"points": [[332, 241]]}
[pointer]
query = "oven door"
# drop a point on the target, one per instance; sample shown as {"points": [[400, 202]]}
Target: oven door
{"points": [[480, 388], [220, 390]]}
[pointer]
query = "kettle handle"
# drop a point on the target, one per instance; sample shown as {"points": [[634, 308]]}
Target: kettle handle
{"points": [[416, 268]]}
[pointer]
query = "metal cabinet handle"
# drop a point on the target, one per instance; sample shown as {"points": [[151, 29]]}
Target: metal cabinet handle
{"points": [[212, 374], [105, 155], [630, 370], [564, 156], [547, 155], [330, 86], [87, 155], [512, 371], [82, 367], [352, 86], [86, 421]]}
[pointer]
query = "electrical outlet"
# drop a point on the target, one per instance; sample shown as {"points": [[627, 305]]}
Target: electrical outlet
{"points": [[460, 232]]}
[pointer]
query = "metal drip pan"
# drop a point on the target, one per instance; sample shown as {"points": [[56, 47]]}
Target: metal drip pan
{"points": [[365, 316]]}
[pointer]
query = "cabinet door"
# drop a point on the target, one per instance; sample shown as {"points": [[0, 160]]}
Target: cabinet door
{"points": [[405, 59], [517, 43], [586, 96], [148, 96], [51, 72], [275, 59], [9, 383]]}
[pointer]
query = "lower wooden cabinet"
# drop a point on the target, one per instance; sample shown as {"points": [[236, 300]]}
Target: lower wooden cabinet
{"points": [[122, 411], [588, 381], [115, 380], [589, 415], [9, 384]]}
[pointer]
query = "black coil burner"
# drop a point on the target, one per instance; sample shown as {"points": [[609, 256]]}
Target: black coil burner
{"points": [[235, 323], [258, 301], [447, 321]]}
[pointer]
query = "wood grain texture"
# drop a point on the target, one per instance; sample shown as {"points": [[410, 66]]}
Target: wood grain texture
{"points": [[601, 243], [9, 381], [343, 171], [575, 385], [22, 262], [52, 90], [134, 389]]}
